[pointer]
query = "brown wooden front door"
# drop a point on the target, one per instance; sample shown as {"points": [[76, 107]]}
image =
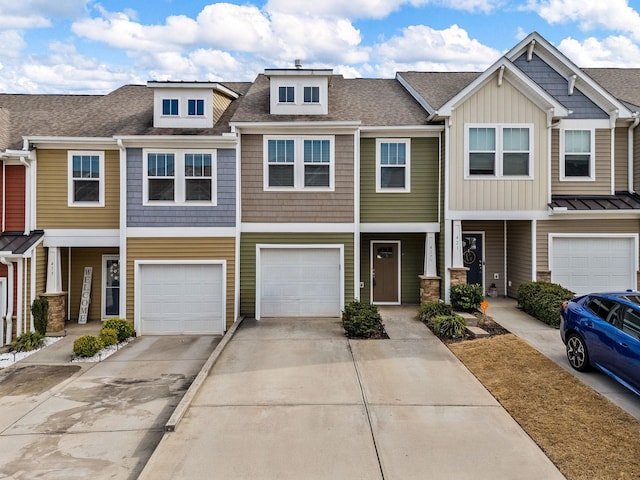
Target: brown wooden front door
{"points": [[385, 272]]}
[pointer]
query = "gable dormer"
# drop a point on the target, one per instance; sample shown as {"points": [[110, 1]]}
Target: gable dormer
{"points": [[299, 91], [189, 104]]}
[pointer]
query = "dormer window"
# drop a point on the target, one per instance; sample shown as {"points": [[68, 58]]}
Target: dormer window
{"points": [[311, 94], [286, 95], [170, 107], [195, 107]]}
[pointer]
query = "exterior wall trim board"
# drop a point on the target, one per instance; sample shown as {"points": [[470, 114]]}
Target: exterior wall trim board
{"points": [[399, 227], [177, 232], [297, 227], [82, 238]]}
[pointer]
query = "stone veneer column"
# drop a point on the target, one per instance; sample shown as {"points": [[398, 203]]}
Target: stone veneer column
{"points": [[543, 276], [458, 276], [57, 312], [429, 288]]}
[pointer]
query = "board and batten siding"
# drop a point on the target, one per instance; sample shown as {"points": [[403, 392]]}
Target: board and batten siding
{"points": [[420, 205], [261, 206], [492, 104], [248, 242], [412, 264], [175, 249], [494, 250], [53, 210], [602, 183], [223, 214], [621, 155], [596, 226], [519, 255]]}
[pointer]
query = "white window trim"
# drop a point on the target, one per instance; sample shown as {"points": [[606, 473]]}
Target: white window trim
{"points": [[180, 179], [204, 104], [295, 93], [499, 164], [169, 115], [311, 87], [298, 164], [407, 166], [101, 180], [592, 160]]}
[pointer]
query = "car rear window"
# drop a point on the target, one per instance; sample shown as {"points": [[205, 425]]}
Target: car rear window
{"points": [[601, 306], [633, 298]]}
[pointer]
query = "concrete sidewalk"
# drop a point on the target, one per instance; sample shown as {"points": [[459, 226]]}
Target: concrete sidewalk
{"points": [[293, 398], [547, 341]]}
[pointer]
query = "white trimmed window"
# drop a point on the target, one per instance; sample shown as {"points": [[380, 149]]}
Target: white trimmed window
{"points": [[393, 165], [299, 163], [170, 107], [85, 179], [311, 94], [286, 94], [577, 162], [195, 107], [179, 177], [498, 151]]}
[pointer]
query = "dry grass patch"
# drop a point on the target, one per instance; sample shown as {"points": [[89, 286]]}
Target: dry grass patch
{"points": [[583, 434]]}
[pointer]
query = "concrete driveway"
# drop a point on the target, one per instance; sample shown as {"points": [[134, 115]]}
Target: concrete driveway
{"points": [[60, 420], [293, 398]]}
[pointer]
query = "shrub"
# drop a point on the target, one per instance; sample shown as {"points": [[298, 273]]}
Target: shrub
{"points": [[428, 310], [122, 326], [362, 320], [87, 346], [28, 341], [109, 336], [40, 311], [450, 326], [466, 298], [543, 300]]}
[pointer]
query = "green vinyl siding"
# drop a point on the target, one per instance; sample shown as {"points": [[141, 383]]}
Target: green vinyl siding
{"points": [[248, 242], [412, 255], [420, 205]]}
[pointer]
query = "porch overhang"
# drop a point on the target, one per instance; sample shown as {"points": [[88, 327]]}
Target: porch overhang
{"points": [[19, 245], [620, 202]]}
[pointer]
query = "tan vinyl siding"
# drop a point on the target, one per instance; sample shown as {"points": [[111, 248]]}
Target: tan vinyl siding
{"points": [[602, 183], [205, 248], [81, 258], [494, 250], [52, 199], [498, 105], [591, 226], [420, 205], [248, 261], [41, 269], [621, 153], [220, 104], [519, 255], [300, 206], [412, 255]]}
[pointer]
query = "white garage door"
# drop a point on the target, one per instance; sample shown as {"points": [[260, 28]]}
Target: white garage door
{"points": [[181, 299], [584, 264], [299, 282]]}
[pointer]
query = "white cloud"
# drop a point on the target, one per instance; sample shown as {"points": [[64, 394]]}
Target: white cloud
{"points": [[12, 43], [590, 14], [27, 14], [613, 51]]}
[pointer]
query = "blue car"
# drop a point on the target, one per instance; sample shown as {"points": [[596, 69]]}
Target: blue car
{"points": [[602, 330]]}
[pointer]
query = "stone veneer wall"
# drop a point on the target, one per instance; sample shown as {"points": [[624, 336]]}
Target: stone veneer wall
{"points": [[429, 289], [57, 312]]}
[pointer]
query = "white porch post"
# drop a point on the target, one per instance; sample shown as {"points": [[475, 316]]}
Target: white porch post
{"points": [[456, 253], [54, 273], [430, 269]]}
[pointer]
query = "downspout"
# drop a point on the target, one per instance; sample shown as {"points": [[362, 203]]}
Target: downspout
{"points": [[356, 213], [122, 250], [447, 223], [27, 195], [236, 296], [9, 312], [4, 193], [630, 156]]}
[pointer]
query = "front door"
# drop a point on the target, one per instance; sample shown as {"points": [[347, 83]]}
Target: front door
{"points": [[110, 286], [385, 272], [472, 256]]}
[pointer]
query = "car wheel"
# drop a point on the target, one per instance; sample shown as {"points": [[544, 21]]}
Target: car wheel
{"points": [[577, 353]]}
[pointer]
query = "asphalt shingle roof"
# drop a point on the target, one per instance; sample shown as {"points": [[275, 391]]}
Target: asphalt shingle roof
{"points": [[622, 83], [437, 88]]}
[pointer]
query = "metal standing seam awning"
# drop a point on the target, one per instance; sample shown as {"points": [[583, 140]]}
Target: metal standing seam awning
{"points": [[621, 201], [17, 244]]}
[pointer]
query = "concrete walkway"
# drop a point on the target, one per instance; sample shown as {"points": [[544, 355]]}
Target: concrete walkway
{"points": [[547, 341], [293, 398], [62, 420]]}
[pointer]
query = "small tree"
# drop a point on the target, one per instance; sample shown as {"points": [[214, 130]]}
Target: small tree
{"points": [[40, 311]]}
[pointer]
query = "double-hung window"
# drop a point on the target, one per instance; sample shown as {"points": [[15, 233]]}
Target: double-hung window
{"points": [[578, 159], [286, 94], [297, 163], [499, 151], [86, 179], [195, 107], [393, 165], [179, 177], [170, 107], [311, 94]]}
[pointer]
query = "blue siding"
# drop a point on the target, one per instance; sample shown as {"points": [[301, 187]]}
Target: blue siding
{"points": [[222, 215], [558, 86]]}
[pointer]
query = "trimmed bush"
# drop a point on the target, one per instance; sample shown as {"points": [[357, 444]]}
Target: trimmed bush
{"points": [[449, 326], [466, 298], [428, 310], [40, 311], [543, 300], [87, 346], [122, 326], [362, 320], [28, 341], [109, 336]]}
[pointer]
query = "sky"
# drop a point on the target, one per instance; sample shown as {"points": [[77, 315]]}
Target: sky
{"points": [[95, 46]]}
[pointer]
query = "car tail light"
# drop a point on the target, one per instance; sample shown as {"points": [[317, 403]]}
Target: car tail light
{"points": [[564, 305]]}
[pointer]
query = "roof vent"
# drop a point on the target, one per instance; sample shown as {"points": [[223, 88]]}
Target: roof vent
{"points": [[298, 63]]}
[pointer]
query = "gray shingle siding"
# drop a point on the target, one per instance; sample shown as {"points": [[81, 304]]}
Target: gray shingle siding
{"points": [[222, 215], [558, 86]]}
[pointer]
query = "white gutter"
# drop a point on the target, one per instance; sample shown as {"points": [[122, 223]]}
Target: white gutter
{"points": [[356, 214], [630, 156], [236, 305]]}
